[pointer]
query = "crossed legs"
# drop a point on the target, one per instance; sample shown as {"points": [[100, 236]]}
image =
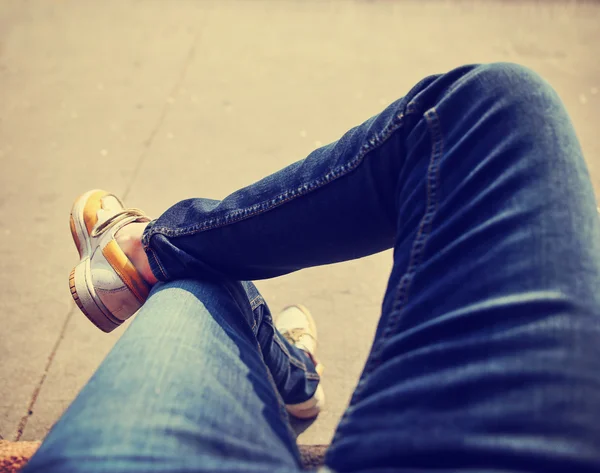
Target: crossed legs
{"points": [[486, 356]]}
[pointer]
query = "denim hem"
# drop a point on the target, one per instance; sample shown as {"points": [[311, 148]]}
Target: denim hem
{"points": [[157, 269], [310, 373], [257, 301], [146, 236]]}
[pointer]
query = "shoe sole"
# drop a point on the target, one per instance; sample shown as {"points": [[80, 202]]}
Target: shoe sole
{"points": [[80, 279], [308, 412]]}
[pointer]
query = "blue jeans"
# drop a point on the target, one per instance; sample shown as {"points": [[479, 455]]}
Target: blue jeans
{"points": [[487, 354]]}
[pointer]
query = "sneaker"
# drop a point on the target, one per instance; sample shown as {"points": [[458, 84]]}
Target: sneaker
{"points": [[105, 284], [297, 326]]}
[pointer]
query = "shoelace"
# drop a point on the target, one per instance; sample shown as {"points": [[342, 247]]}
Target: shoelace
{"points": [[118, 217], [294, 335]]}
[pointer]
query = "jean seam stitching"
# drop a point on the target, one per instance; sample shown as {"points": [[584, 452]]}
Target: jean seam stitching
{"points": [[425, 226], [281, 410], [157, 261], [370, 145], [292, 359], [254, 304]]}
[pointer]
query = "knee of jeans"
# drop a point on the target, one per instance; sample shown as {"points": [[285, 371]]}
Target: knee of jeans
{"points": [[514, 85]]}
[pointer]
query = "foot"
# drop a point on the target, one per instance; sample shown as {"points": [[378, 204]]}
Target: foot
{"points": [[297, 326], [105, 284]]}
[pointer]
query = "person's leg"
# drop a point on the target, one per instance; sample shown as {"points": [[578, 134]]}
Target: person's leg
{"points": [[487, 356], [294, 370], [109, 285], [487, 353], [184, 389]]}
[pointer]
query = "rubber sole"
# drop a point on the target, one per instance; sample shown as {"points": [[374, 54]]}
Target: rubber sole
{"points": [[308, 409]]}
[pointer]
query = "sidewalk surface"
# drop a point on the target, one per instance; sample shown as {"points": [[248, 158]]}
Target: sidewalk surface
{"points": [[160, 101]]}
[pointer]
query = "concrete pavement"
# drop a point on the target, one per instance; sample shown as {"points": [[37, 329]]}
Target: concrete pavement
{"points": [[161, 101]]}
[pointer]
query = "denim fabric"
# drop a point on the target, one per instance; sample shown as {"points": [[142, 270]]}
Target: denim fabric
{"points": [[292, 370], [487, 354], [196, 384]]}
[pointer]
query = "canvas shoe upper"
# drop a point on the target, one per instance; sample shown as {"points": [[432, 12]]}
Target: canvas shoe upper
{"points": [[297, 326], [105, 284]]}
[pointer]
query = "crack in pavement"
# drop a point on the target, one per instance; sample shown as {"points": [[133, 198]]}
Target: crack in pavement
{"points": [[23, 422], [163, 114], [147, 144]]}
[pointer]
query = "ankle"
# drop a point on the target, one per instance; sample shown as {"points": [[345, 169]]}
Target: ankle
{"points": [[129, 239]]}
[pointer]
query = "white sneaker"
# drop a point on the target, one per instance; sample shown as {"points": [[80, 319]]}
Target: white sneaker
{"points": [[297, 326], [105, 284]]}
